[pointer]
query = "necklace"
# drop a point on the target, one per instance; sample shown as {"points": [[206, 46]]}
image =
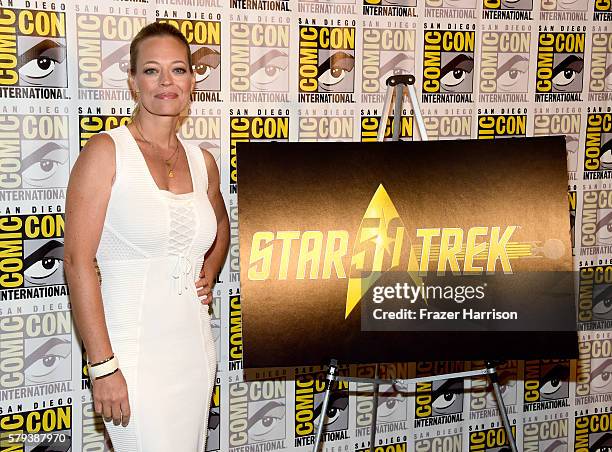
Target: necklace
{"points": [[169, 167]]}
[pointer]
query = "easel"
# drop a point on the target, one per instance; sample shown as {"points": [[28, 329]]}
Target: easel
{"points": [[396, 83]]}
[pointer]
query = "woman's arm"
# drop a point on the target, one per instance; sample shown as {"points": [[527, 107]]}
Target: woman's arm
{"points": [[87, 198], [215, 257]]}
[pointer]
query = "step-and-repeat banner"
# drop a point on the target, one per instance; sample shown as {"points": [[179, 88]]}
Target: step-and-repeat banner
{"points": [[305, 70]]}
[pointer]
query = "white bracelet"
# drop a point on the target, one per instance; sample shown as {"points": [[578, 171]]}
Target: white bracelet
{"points": [[103, 369]]}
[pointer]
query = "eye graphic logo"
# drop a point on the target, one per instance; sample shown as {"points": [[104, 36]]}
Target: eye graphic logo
{"points": [[259, 409], [438, 398], [204, 39], [309, 393], [481, 393], [448, 66], [595, 298], [103, 48], [34, 51], [546, 384], [593, 432], [560, 67], [41, 349], [259, 61], [326, 62], [36, 152], [504, 68], [548, 436], [386, 52]]}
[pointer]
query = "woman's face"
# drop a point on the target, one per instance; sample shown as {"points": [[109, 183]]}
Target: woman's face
{"points": [[162, 76]]}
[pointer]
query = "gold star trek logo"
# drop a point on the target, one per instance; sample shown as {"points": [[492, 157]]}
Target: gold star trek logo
{"points": [[382, 244]]}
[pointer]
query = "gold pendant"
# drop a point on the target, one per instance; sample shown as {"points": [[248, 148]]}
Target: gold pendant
{"points": [[171, 173]]}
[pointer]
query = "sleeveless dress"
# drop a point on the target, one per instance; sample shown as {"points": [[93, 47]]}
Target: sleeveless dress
{"points": [[150, 254]]}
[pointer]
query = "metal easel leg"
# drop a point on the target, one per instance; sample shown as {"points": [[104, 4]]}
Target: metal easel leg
{"points": [[501, 406], [374, 410], [332, 372], [396, 84]]}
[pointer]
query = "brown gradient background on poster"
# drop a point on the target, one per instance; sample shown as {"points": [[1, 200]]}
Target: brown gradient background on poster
{"points": [[301, 187]]}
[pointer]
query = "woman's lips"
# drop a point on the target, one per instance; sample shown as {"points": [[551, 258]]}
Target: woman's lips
{"points": [[167, 96]]}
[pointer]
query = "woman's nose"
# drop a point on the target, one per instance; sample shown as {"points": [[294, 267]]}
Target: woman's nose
{"points": [[164, 77]]}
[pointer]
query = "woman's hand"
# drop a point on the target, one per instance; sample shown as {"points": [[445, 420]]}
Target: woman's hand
{"points": [[204, 286], [111, 398]]}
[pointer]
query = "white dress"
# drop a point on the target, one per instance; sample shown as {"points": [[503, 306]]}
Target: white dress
{"points": [[151, 251]]}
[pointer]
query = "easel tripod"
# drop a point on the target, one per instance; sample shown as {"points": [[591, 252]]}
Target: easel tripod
{"points": [[396, 84]]}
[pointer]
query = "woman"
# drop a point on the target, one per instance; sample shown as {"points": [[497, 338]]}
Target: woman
{"points": [[148, 206]]}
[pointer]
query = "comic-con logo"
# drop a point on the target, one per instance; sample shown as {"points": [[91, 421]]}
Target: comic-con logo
{"points": [[561, 122], [203, 128], [598, 146], [325, 125], [489, 440], [309, 394], [213, 440], [504, 66], [560, 65], [103, 51], [91, 124], [258, 411], [235, 331], [326, 63], [204, 37], [602, 10], [395, 8], [448, 65], [392, 406], [448, 124], [592, 432], [546, 384], [370, 124], [245, 128], [34, 151], [439, 401], [507, 9], [386, 52], [39, 429], [95, 436], [594, 367], [234, 251], [33, 254], [492, 125], [435, 441], [37, 349], [549, 435], [33, 53], [481, 394], [600, 80], [595, 298], [259, 60], [267, 5], [596, 225]]}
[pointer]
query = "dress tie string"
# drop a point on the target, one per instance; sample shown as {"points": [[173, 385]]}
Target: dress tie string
{"points": [[181, 272]]}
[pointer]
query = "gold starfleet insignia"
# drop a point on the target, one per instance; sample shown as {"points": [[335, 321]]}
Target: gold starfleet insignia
{"points": [[381, 230]]}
